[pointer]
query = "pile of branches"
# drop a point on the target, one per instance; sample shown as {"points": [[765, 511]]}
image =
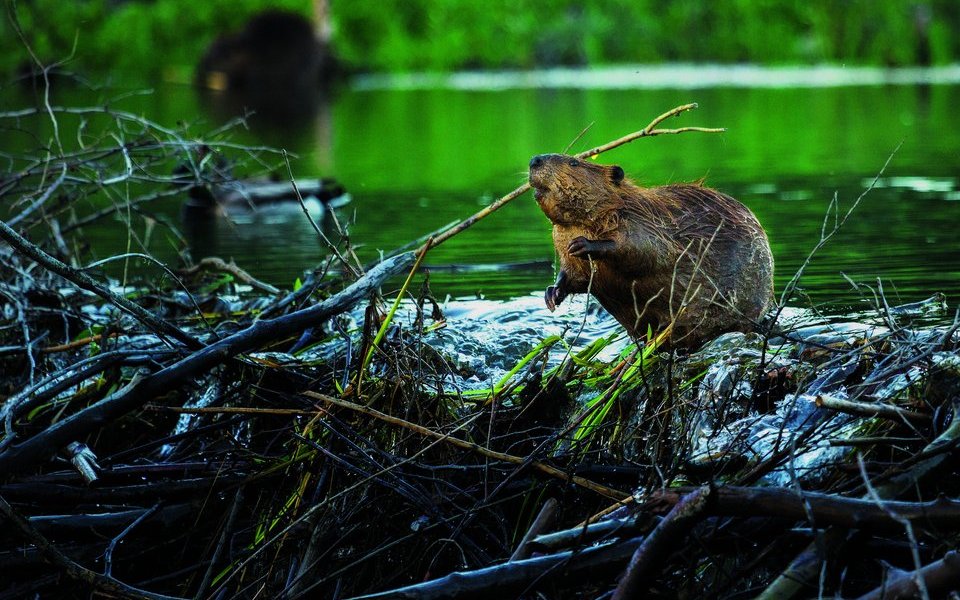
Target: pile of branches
{"points": [[184, 439]]}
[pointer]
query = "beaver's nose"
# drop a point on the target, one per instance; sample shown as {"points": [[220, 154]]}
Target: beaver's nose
{"points": [[536, 161]]}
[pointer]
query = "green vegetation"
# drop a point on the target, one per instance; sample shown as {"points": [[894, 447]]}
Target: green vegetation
{"points": [[164, 37], [401, 35], [429, 34]]}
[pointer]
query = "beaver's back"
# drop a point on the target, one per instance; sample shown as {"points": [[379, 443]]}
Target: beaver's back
{"points": [[717, 274]]}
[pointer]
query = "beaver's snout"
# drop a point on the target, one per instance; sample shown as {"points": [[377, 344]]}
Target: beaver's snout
{"points": [[538, 176], [541, 159]]}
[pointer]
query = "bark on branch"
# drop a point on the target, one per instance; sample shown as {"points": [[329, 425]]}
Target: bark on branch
{"points": [[939, 577]]}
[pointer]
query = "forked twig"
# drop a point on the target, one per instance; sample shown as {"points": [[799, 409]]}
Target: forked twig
{"points": [[649, 131]]}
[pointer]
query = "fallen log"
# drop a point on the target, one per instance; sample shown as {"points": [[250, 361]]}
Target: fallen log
{"points": [[938, 578], [592, 564]]}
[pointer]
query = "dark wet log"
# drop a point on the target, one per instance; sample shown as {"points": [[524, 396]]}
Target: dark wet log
{"points": [[749, 502], [108, 586], [45, 444], [824, 509], [590, 565], [671, 531], [938, 578]]}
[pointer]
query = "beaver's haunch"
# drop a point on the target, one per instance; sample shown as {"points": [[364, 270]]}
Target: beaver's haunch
{"points": [[682, 254]]}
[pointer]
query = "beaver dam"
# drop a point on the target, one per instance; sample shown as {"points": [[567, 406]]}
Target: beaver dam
{"points": [[201, 434]]}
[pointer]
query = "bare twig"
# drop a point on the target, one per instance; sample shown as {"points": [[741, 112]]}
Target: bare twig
{"points": [[509, 458], [218, 264], [84, 281], [326, 241], [103, 583], [649, 131], [869, 409]]}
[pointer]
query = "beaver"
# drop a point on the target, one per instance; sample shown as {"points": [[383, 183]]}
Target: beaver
{"points": [[682, 254], [275, 66]]}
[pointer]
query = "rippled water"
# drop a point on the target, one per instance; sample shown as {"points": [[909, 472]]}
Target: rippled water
{"points": [[418, 153]]}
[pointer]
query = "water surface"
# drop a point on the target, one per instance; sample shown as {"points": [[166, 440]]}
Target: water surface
{"points": [[416, 157]]}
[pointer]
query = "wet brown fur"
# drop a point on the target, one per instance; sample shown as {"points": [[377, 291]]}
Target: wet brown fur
{"points": [[682, 254]]}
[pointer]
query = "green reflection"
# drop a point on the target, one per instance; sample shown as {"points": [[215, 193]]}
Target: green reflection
{"points": [[415, 160]]}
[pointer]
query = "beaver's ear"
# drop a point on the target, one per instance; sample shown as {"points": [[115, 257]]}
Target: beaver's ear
{"points": [[616, 174]]}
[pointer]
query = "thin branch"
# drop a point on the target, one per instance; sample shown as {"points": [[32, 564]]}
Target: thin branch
{"points": [[648, 131], [106, 585], [509, 458], [84, 281]]}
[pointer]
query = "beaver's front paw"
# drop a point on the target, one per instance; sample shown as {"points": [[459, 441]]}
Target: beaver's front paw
{"points": [[557, 292], [581, 247], [553, 297]]}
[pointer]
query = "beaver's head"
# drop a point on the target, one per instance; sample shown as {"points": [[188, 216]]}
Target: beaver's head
{"points": [[574, 191]]}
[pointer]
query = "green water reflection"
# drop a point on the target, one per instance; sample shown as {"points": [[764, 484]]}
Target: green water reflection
{"points": [[416, 160]]}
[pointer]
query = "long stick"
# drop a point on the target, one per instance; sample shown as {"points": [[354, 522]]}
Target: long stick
{"points": [[17, 457], [669, 534], [649, 131], [84, 281], [509, 458]]}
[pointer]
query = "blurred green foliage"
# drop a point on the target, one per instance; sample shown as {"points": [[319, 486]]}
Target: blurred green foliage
{"points": [[131, 36], [398, 35], [431, 34]]}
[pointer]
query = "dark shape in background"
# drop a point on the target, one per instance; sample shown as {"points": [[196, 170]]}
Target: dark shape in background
{"points": [[276, 67]]}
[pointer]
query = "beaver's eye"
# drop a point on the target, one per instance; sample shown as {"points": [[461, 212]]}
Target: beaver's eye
{"points": [[573, 162]]}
